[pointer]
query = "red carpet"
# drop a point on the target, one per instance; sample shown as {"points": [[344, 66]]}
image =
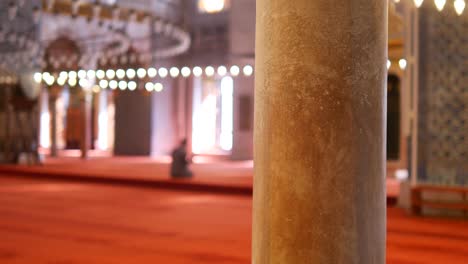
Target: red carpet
{"points": [[57, 223], [220, 177]]}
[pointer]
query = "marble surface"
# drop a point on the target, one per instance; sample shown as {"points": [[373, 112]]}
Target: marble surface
{"points": [[319, 132]]}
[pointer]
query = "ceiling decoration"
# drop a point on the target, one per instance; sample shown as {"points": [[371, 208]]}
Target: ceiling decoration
{"points": [[28, 27]]}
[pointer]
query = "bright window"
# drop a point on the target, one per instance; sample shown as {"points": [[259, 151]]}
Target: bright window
{"points": [[212, 115]]}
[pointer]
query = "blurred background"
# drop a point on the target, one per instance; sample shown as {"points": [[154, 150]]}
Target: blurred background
{"points": [[95, 96]]}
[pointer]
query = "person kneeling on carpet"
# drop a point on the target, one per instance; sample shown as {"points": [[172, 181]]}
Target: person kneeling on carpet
{"points": [[179, 165]]}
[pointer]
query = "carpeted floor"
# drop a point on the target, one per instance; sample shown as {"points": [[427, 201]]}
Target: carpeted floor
{"points": [[48, 222], [232, 174]]}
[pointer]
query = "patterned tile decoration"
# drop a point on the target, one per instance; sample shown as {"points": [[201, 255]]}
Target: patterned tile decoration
{"points": [[443, 98]]}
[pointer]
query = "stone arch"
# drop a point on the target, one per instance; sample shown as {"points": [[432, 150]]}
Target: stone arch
{"points": [[62, 48]]}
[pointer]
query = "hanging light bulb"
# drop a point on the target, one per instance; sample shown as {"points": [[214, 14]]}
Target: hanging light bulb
{"points": [[100, 74], [122, 85], [234, 70], [389, 64], [110, 74], [37, 77], [152, 72], [103, 84], [222, 70], [81, 74], [91, 74], [141, 73], [440, 4], [45, 75], [174, 72], [459, 6], [149, 86], [113, 84], [131, 73], [248, 70], [185, 72], [72, 75], [84, 83], [209, 71], [61, 81], [120, 73], [132, 85], [402, 63], [72, 82], [158, 87], [50, 80], [197, 71], [163, 72], [63, 74], [418, 3]]}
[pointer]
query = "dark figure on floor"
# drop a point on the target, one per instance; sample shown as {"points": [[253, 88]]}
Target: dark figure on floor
{"points": [[179, 166]]}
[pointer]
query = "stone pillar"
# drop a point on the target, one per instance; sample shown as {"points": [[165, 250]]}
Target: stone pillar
{"points": [[8, 150], [54, 92], [85, 141], [320, 102]]}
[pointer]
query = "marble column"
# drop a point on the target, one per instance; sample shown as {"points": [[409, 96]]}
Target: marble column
{"points": [[85, 140], [54, 92], [8, 146], [320, 101]]}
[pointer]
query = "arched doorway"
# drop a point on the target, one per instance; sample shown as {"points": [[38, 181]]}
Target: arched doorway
{"points": [[64, 109]]}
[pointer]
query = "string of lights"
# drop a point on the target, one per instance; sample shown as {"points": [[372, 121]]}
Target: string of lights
{"points": [[401, 64], [128, 79], [458, 5]]}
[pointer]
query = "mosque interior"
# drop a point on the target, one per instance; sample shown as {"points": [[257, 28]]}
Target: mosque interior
{"points": [[344, 122]]}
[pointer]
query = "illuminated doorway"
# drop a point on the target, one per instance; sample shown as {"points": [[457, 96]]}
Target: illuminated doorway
{"points": [[212, 116]]}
